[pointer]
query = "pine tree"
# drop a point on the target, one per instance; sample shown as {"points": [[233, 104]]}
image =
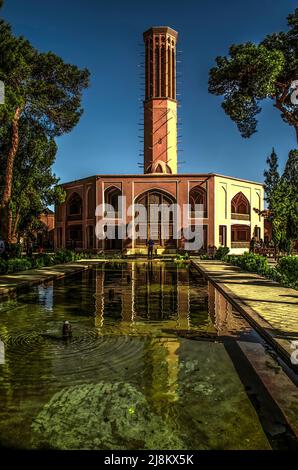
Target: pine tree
{"points": [[41, 88], [291, 169], [252, 72], [271, 175]]}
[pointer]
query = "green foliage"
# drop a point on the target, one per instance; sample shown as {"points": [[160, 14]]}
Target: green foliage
{"points": [[39, 261], [282, 198], [105, 415], [14, 250], [271, 175], [255, 72], [42, 101], [182, 257], [250, 262], [287, 267], [18, 264], [34, 184], [286, 271], [284, 218], [291, 168], [47, 90], [221, 252]]}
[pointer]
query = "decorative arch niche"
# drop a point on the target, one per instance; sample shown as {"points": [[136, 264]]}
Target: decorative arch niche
{"points": [[74, 207], [240, 207], [198, 195], [111, 197]]}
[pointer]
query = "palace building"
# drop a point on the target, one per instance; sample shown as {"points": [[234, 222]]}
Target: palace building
{"points": [[228, 203]]}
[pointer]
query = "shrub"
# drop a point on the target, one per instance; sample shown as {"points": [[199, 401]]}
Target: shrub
{"points": [[18, 264], [182, 257], [221, 252], [14, 250], [3, 266], [250, 262], [287, 268], [286, 271]]}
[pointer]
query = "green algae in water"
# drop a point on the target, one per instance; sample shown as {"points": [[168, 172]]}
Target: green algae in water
{"points": [[109, 416]]}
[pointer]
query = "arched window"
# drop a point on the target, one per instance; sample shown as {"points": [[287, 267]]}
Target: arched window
{"points": [[75, 207], [159, 167], [198, 195], [161, 231], [240, 207], [112, 195]]}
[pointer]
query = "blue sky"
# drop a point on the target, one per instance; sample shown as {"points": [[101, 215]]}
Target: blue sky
{"points": [[106, 37]]}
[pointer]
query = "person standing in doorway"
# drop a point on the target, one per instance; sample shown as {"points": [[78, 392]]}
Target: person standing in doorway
{"points": [[150, 248]]}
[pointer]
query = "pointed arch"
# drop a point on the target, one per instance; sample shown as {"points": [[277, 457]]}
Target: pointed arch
{"points": [[198, 196], [148, 199], [240, 207], [74, 207], [111, 197]]}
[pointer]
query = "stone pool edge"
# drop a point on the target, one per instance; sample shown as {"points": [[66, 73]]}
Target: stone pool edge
{"points": [[24, 280], [263, 327]]}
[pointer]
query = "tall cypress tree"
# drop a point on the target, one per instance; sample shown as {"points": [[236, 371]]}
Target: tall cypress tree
{"points": [[291, 169], [271, 175]]}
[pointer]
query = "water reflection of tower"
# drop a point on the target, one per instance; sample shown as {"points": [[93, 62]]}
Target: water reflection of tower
{"points": [[183, 299], [161, 370]]}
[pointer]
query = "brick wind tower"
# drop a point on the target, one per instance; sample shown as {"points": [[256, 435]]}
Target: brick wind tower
{"points": [[160, 105]]}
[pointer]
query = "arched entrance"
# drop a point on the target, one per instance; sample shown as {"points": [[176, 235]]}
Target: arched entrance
{"points": [[111, 197], [74, 213], [162, 237]]}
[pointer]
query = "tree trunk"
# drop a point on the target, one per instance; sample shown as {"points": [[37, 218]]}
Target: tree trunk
{"points": [[15, 225], [9, 225], [5, 223]]}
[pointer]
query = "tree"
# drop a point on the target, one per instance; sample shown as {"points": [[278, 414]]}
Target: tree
{"points": [[284, 215], [291, 169], [39, 88], [271, 176], [34, 184], [254, 72]]}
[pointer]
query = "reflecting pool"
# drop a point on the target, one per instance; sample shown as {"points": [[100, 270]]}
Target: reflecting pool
{"points": [[154, 362]]}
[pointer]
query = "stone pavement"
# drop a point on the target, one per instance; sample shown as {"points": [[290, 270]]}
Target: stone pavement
{"points": [[269, 307]]}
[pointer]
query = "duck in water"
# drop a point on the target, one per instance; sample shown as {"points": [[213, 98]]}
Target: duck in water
{"points": [[66, 330], [66, 333]]}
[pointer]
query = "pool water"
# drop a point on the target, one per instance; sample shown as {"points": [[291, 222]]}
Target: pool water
{"points": [[154, 362]]}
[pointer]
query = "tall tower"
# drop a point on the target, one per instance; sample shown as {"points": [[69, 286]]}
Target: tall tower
{"points": [[160, 105]]}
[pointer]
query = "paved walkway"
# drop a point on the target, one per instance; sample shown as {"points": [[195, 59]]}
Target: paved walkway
{"points": [[17, 281], [271, 308]]}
